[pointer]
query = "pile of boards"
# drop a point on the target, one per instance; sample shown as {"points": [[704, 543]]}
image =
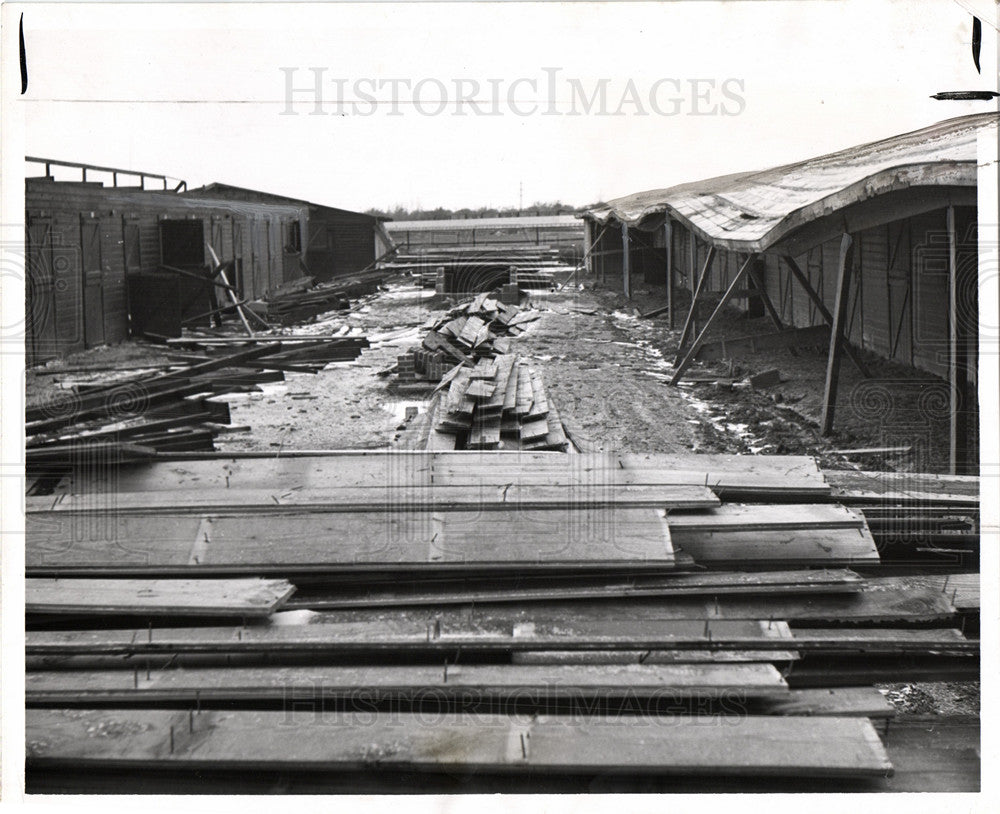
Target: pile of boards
{"points": [[466, 269], [136, 416], [303, 299], [499, 403], [478, 329], [536, 616]]}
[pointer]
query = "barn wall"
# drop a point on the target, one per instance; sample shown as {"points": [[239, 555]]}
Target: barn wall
{"points": [[115, 234]]}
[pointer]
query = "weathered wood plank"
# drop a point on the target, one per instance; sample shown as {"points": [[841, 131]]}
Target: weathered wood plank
{"points": [[865, 702], [464, 468], [488, 634], [155, 597], [802, 547], [276, 740], [468, 682], [384, 498], [346, 540], [762, 583], [782, 517]]}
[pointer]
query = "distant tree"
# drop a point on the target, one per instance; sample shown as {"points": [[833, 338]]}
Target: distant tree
{"points": [[399, 212]]}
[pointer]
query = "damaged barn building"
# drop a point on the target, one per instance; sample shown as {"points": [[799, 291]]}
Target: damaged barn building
{"points": [[873, 248], [108, 257]]}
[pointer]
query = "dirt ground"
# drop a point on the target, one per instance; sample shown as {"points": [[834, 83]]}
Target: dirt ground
{"points": [[606, 370]]}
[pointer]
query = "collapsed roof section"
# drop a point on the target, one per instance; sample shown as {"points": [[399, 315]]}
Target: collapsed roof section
{"points": [[753, 211]]}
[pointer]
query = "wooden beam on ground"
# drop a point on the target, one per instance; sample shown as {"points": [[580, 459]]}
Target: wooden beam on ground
{"points": [[484, 682], [852, 354], [288, 541], [151, 739], [676, 585], [696, 293], [726, 297], [838, 342], [157, 597]]}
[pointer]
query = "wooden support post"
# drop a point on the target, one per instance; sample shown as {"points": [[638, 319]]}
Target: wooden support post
{"points": [[726, 297], [956, 368], [696, 292], [588, 239], [837, 340], [669, 238], [692, 267], [626, 271], [854, 356]]}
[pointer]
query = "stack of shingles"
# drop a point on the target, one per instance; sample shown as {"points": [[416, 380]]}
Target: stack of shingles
{"points": [[500, 404], [472, 331], [542, 578], [133, 418]]}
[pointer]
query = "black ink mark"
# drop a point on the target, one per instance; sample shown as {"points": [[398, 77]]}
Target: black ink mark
{"points": [[965, 95], [24, 58], [977, 41]]}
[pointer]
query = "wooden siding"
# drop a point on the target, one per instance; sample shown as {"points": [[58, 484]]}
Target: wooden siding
{"points": [[898, 297], [122, 231]]}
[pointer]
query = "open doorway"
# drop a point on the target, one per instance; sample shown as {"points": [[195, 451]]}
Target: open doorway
{"points": [[182, 243]]}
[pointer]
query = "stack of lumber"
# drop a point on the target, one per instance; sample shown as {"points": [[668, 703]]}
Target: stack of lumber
{"points": [[303, 299], [474, 330], [500, 403], [138, 415], [467, 269], [301, 354], [497, 612]]}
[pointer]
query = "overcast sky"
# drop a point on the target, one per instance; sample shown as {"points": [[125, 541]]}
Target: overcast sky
{"points": [[198, 92]]}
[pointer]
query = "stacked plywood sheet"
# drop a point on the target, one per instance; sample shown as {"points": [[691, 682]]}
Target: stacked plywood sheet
{"points": [[504, 591]]}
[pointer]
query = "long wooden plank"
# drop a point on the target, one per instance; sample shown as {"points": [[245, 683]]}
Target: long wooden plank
{"points": [[374, 468], [803, 547], [488, 635], [767, 583], [790, 746], [64, 541], [784, 517], [155, 597], [904, 487], [468, 682], [865, 702], [387, 498]]}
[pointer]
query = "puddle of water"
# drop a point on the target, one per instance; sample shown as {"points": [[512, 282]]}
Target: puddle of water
{"points": [[397, 409]]}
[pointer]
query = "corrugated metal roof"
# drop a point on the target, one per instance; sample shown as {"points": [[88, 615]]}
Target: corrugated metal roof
{"points": [[753, 210], [539, 222]]}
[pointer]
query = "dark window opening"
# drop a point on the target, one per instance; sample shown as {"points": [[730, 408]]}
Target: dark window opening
{"points": [[182, 243]]}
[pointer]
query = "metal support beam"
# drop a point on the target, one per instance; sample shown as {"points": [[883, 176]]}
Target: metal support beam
{"points": [[626, 270], [726, 297], [837, 340], [824, 312], [695, 293], [668, 237]]}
